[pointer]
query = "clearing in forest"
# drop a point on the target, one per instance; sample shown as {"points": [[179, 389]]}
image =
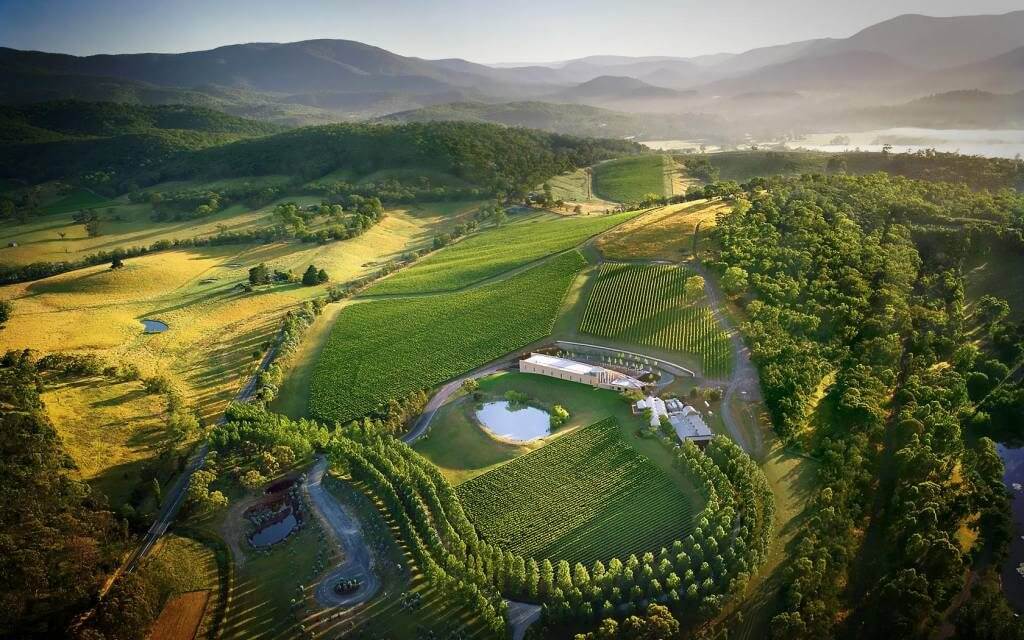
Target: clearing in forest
{"points": [[384, 350], [587, 495], [494, 251], [632, 179], [648, 305]]}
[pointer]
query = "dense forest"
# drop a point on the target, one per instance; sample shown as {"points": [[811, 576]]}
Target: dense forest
{"points": [[857, 320]]}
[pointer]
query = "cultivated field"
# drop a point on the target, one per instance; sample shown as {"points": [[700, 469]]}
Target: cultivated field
{"points": [[495, 251], [647, 305], [185, 572], [664, 235], [384, 350], [631, 179], [586, 496]]}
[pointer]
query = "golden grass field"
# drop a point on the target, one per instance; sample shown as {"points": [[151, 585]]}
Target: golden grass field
{"points": [[660, 235], [181, 617], [217, 333]]}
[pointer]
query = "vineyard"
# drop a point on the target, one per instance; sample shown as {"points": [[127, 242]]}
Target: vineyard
{"points": [[587, 495], [384, 350], [647, 304], [488, 253], [634, 178]]}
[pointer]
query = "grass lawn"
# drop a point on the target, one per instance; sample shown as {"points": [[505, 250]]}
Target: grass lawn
{"points": [[76, 201], [111, 429], [293, 397], [631, 179], [586, 495], [664, 235], [460, 448], [495, 251]]}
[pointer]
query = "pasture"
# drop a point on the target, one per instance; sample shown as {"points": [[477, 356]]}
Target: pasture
{"points": [[495, 251], [216, 331], [111, 430], [647, 305], [587, 495], [632, 179], [667, 234], [384, 350]]}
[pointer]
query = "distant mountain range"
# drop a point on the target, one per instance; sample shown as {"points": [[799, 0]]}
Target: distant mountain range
{"points": [[894, 62]]}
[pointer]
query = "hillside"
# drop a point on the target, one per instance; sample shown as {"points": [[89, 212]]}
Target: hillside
{"points": [[570, 119]]}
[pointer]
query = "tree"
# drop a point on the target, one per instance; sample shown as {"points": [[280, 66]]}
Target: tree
{"points": [[309, 278], [992, 309], [252, 479], [734, 281], [116, 263], [559, 416], [322, 277], [259, 274], [694, 287], [470, 385], [6, 307]]}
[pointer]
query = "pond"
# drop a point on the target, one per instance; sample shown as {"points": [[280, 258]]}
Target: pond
{"points": [[514, 421], [154, 326], [274, 532]]}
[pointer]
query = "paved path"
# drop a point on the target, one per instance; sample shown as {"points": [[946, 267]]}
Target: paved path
{"points": [[344, 528], [744, 380], [445, 392], [520, 616]]}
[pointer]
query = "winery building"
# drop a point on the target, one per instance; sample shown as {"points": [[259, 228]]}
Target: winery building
{"points": [[580, 372]]}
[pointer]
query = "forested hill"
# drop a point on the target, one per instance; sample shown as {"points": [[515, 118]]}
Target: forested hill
{"points": [[500, 159], [52, 120]]}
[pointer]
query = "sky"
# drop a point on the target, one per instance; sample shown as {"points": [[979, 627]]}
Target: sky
{"points": [[487, 31]]}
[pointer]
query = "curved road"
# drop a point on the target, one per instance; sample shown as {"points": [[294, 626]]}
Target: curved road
{"points": [[345, 530], [744, 378]]}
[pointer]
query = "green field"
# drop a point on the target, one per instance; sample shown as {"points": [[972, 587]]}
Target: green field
{"points": [[632, 179], [647, 305], [586, 496], [490, 253], [76, 201], [385, 350]]}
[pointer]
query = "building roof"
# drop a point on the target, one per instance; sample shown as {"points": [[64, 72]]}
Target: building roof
{"points": [[569, 366], [690, 425]]}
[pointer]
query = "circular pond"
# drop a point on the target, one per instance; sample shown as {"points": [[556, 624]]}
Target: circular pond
{"points": [[154, 326], [514, 421]]}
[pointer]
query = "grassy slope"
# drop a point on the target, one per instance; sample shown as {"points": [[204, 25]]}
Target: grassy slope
{"points": [[586, 496], [630, 179], [666, 235], [110, 430], [490, 252], [387, 349]]}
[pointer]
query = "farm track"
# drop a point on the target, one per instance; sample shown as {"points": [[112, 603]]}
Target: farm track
{"points": [[344, 527]]}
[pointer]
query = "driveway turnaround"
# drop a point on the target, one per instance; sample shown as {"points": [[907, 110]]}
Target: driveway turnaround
{"points": [[344, 528]]}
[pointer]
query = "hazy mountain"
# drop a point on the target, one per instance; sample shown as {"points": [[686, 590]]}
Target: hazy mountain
{"points": [[320, 81], [855, 70], [574, 119], [607, 88], [936, 43]]}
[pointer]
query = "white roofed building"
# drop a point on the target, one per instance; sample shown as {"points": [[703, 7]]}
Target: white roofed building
{"points": [[580, 372], [655, 404], [690, 425]]}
